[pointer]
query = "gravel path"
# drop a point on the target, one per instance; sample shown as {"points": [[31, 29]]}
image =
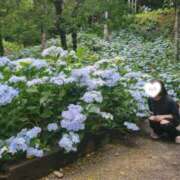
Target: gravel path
{"points": [[141, 159]]}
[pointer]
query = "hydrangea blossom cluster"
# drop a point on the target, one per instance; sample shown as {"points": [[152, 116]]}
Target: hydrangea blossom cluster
{"points": [[106, 115], [93, 78], [16, 79], [139, 97], [69, 141], [4, 61], [37, 81], [136, 90], [52, 127], [73, 119], [7, 94], [33, 133], [60, 79], [92, 96], [33, 63], [39, 63], [34, 152], [110, 77], [21, 142], [94, 83], [83, 76], [17, 144], [131, 126], [54, 51]]}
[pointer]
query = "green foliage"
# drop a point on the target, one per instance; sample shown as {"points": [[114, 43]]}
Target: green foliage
{"points": [[12, 47], [22, 21], [153, 24], [120, 103]]}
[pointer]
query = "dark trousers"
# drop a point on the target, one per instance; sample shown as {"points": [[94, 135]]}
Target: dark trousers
{"points": [[164, 129]]}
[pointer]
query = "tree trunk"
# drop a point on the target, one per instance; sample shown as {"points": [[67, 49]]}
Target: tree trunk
{"points": [[74, 40], [129, 5], [106, 27], [132, 6], [58, 4], [129, 2], [106, 32], [63, 38], [135, 6], [177, 31], [133, 2], [43, 38], [76, 26], [1, 45]]}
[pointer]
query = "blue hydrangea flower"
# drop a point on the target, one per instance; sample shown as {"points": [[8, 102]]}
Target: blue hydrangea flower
{"points": [[131, 126], [7, 94], [34, 132], [17, 144], [4, 61], [16, 79], [52, 127], [92, 96], [54, 51], [69, 142], [73, 119], [33, 152]]}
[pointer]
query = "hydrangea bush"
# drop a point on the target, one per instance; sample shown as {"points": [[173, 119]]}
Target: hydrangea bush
{"points": [[58, 96], [43, 99]]}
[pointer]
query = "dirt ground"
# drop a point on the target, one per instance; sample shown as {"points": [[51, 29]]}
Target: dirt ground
{"points": [[141, 159], [133, 158]]}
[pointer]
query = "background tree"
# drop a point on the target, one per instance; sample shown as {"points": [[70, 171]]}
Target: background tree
{"points": [[59, 6], [19, 25], [76, 24], [43, 15], [5, 8]]}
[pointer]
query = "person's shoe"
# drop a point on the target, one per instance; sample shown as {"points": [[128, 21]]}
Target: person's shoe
{"points": [[154, 135], [177, 140]]}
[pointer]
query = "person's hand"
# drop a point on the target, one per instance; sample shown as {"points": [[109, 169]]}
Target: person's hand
{"points": [[168, 117], [155, 118], [164, 121], [152, 118], [159, 118]]}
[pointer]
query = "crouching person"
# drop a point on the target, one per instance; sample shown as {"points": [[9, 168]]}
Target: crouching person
{"points": [[164, 110]]}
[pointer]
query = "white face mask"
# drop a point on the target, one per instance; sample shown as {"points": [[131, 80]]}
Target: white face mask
{"points": [[152, 89]]}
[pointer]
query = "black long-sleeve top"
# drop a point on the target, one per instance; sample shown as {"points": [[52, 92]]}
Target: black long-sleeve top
{"points": [[165, 106]]}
